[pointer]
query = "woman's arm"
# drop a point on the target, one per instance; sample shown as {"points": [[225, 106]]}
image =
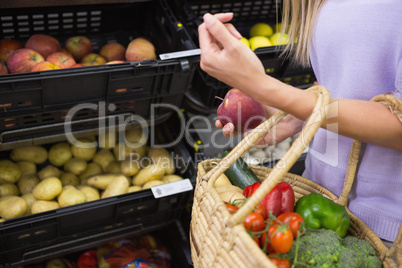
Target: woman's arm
{"points": [[230, 61]]}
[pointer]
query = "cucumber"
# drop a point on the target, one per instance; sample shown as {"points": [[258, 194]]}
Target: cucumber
{"points": [[240, 173]]}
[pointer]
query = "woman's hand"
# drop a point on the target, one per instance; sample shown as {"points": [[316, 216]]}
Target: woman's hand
{"points": [[287, 127], [225, 57]]}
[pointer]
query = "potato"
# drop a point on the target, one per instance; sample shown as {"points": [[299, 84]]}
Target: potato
{"points": [[129, 168], [162, 157], [124, 151], [42, 206], [150, 173], [171, 178], [107, 140], [12, 207], [134, 188], [33, 153], [8, 189], [101, 181], [90, 192], [91, 170], [47, 189], [71, 196], [222, 180], [27, 183], [113, 168], [84, 153], [103, 157], [9, 171], [69, 179], [75, 165], [118, 186], [27, 167], [151, 184], [30, 199], [59, 154], [135, 135], [49, 171]]}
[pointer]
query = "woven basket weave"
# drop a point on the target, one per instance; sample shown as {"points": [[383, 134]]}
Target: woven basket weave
{"points": [[219, 239]]}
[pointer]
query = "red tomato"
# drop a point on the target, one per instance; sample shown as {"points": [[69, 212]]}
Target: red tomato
{"points": [[280, 263], [254, 222], [260, 208], [293, 219], [231, 208], [281, 237]]}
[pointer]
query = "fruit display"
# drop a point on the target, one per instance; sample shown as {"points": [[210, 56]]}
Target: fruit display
{"points": [[43, 52], [37, 178], [264, 35]]}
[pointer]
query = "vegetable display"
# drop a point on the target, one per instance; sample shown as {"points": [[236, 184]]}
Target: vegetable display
{"points": [[321, 212]]}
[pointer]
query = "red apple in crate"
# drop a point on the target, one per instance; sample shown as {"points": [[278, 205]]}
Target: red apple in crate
{"points": [[241, 110], [44, 44], [7, 47], [93, 59], [3, 68], [44, 66], [78, 46], [140, 49], [61, 60], [115, 61], [22, 60], [113, 51]]}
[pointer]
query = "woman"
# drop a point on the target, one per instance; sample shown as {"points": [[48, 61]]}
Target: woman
{"points": [[355, 49]]}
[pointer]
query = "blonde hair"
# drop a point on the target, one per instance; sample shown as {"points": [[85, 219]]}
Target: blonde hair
{"points": [[299, 16]]}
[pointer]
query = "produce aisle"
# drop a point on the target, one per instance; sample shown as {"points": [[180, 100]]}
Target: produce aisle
{"points": [[89, 74]]}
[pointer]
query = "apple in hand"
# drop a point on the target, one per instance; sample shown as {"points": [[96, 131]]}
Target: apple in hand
{"points": [[44, 44], [78, 46], [140, 49], [7, 47], [61, 60], [44, 66], [241, 110], [113, 51], [93, 59], [22, 60]]}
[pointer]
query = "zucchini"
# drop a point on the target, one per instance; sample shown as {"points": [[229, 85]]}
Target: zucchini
{"points": [[240, 174]]}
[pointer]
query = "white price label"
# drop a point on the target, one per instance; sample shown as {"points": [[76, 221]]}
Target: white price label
{"points": [[172, 188], [180, 54]]}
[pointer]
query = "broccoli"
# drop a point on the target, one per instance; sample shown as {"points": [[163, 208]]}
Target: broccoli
{"points": [[325, 248]]}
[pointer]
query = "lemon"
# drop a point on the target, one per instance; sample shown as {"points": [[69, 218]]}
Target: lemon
{"points": [[245, 41], [261, 29], [259, 41], [276, 39]]}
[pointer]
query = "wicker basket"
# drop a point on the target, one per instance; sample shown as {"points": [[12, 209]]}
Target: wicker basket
{"points": [[219, 239]]}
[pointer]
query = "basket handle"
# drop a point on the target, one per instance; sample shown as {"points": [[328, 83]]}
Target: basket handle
{"points": [[395, 106], [286, 161]]}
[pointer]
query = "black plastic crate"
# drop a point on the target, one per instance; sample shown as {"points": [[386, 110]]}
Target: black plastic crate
{"points": [[40, 94], [201, 95], [36, 237]]}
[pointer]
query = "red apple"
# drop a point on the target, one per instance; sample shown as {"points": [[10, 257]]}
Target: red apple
{"points": [[61, 60], [78, 46], [22, 60], [115, 61], [44, 44], [44, 66], [3, 68], [7, 47], [77, 65], [113, 51], [93, 59], [140, 49], [241, 110]]}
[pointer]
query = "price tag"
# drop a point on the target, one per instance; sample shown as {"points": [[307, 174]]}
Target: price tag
{"points": [[172, 188], [180, 54]]}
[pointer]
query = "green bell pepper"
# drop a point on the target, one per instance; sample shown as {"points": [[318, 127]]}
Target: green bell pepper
{"points": [[321, 212]]}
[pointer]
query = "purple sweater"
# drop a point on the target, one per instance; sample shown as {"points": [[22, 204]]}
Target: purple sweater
{"points": [[357, 54]]}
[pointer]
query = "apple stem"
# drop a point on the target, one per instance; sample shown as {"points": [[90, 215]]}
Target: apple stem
{"points": [[217, 97]]}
